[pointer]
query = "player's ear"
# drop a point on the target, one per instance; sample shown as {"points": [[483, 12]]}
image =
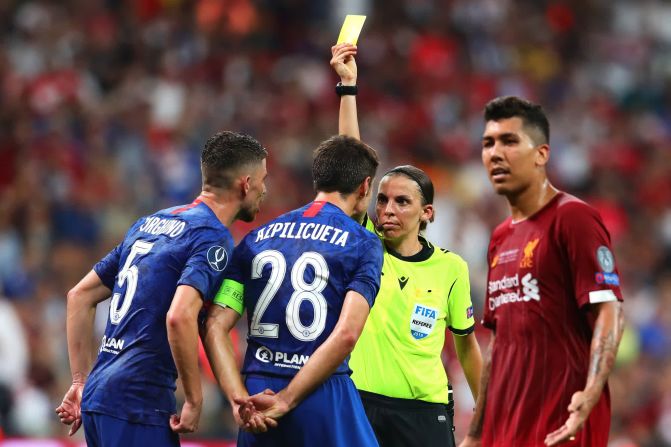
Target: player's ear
{"points": [[245, 185], [542, 154], [366, 187]]}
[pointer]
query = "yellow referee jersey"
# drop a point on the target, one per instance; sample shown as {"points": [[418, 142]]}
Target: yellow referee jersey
{"points": [[399, 351]]}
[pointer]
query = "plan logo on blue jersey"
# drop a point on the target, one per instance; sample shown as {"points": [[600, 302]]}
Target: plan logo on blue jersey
{"points": [[422, 321], [264, 354], [217, 258]]}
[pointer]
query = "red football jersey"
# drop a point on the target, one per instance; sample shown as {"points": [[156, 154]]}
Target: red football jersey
{"points": [[543, 272]]}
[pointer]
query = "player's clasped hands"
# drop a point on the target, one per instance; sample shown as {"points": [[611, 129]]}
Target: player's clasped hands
{"points": [[260, 412]]}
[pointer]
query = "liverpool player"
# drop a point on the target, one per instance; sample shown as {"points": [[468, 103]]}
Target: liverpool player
{"points": [[553, 298]]}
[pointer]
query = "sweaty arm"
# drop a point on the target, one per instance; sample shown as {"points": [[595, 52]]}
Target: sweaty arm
{"points": [[221, 319], [323, 362], [345, 66], [220, 352], [473, 438], [605, 341], [182, 327], [81, 310], [470, 358]]}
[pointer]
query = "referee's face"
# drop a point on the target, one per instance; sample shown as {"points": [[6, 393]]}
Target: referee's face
{"points": [[399, 207]]}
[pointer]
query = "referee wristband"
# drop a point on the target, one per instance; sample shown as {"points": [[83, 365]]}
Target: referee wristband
{"points": [[342, 90]]}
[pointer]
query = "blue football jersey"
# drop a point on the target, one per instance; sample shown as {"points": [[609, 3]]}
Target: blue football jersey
{"points": [[134, 375], [295, 272]]}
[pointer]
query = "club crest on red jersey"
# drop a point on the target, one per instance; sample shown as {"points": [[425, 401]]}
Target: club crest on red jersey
{"points": [[528, 260]]}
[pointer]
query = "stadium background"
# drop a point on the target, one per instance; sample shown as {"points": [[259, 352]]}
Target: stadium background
{"points": [[106, 105]]}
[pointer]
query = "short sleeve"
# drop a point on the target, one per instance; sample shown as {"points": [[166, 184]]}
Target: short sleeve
{"points": [[590, 257], [459, 306], [366, 278], [208, 259], [488, 318], [108, 267]]}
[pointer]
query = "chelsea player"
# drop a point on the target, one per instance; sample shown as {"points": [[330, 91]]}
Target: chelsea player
{"points": [[168, 264], [308, 280]]}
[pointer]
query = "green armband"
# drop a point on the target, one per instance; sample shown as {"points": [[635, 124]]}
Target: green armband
{"points": [[231, 294]]}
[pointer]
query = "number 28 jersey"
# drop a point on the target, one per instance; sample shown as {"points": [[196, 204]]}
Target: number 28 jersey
{"points": [[292, 276], [134, 375]]}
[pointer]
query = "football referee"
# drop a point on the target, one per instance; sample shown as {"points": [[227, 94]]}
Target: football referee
{"points": [[424, 291]]}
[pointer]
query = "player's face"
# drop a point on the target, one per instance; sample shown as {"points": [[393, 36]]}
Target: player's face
{"points": [[510, 156], [256, 193], [399, 207]]}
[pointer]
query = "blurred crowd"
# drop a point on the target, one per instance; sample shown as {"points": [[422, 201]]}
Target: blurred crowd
{"points": [[106, 105]]}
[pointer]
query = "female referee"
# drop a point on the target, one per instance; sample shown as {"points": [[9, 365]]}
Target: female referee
{"points": [[397, 364]]}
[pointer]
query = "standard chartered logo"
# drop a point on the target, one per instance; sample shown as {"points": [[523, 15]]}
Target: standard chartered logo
{"points": [[530, 290]]}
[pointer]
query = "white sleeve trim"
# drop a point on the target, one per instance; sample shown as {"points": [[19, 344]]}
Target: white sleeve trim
{"points": [[602, 296]]}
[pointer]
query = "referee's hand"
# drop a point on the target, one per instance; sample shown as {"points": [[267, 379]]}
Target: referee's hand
{"points": [[343, 62]]}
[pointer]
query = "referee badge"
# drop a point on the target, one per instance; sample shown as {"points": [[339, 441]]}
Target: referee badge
{"points": [[422, 321]]}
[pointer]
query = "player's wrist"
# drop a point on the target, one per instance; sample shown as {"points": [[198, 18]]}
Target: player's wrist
{"points": [[194, 399], [287, 399], [474, 435], [79, 378], [591, 396], [348, 82], [346, 90]]}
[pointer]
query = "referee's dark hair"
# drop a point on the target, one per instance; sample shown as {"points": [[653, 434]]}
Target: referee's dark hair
{"points": [[423, 182], [341, 164], [224, 153], [532, 115]]}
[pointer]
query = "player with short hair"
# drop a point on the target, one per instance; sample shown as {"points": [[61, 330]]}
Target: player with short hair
{"points": [[553, 298], [308, 280], [168, 264], [424, 291]]}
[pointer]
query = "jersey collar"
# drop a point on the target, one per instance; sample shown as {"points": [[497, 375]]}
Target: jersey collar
{"points": [[422, 255]]}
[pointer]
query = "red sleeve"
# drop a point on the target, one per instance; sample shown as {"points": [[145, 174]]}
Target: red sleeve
{"points": [[488, 319], [590, 256]]}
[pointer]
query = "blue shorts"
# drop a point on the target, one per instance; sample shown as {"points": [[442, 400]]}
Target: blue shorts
{"points": [[101, 430], [331, 416]]}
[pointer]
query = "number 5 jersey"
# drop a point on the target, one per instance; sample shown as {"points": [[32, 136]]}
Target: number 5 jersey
{"points": [[134, 375]]}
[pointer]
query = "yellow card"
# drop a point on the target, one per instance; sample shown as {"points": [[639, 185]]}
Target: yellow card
{"points": [[351, 28]]}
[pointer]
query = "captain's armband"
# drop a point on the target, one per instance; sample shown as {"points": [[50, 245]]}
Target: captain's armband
{"points": [[231, 294]]}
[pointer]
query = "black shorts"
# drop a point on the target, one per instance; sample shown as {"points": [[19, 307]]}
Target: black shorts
{"points": [[409, 423]]}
